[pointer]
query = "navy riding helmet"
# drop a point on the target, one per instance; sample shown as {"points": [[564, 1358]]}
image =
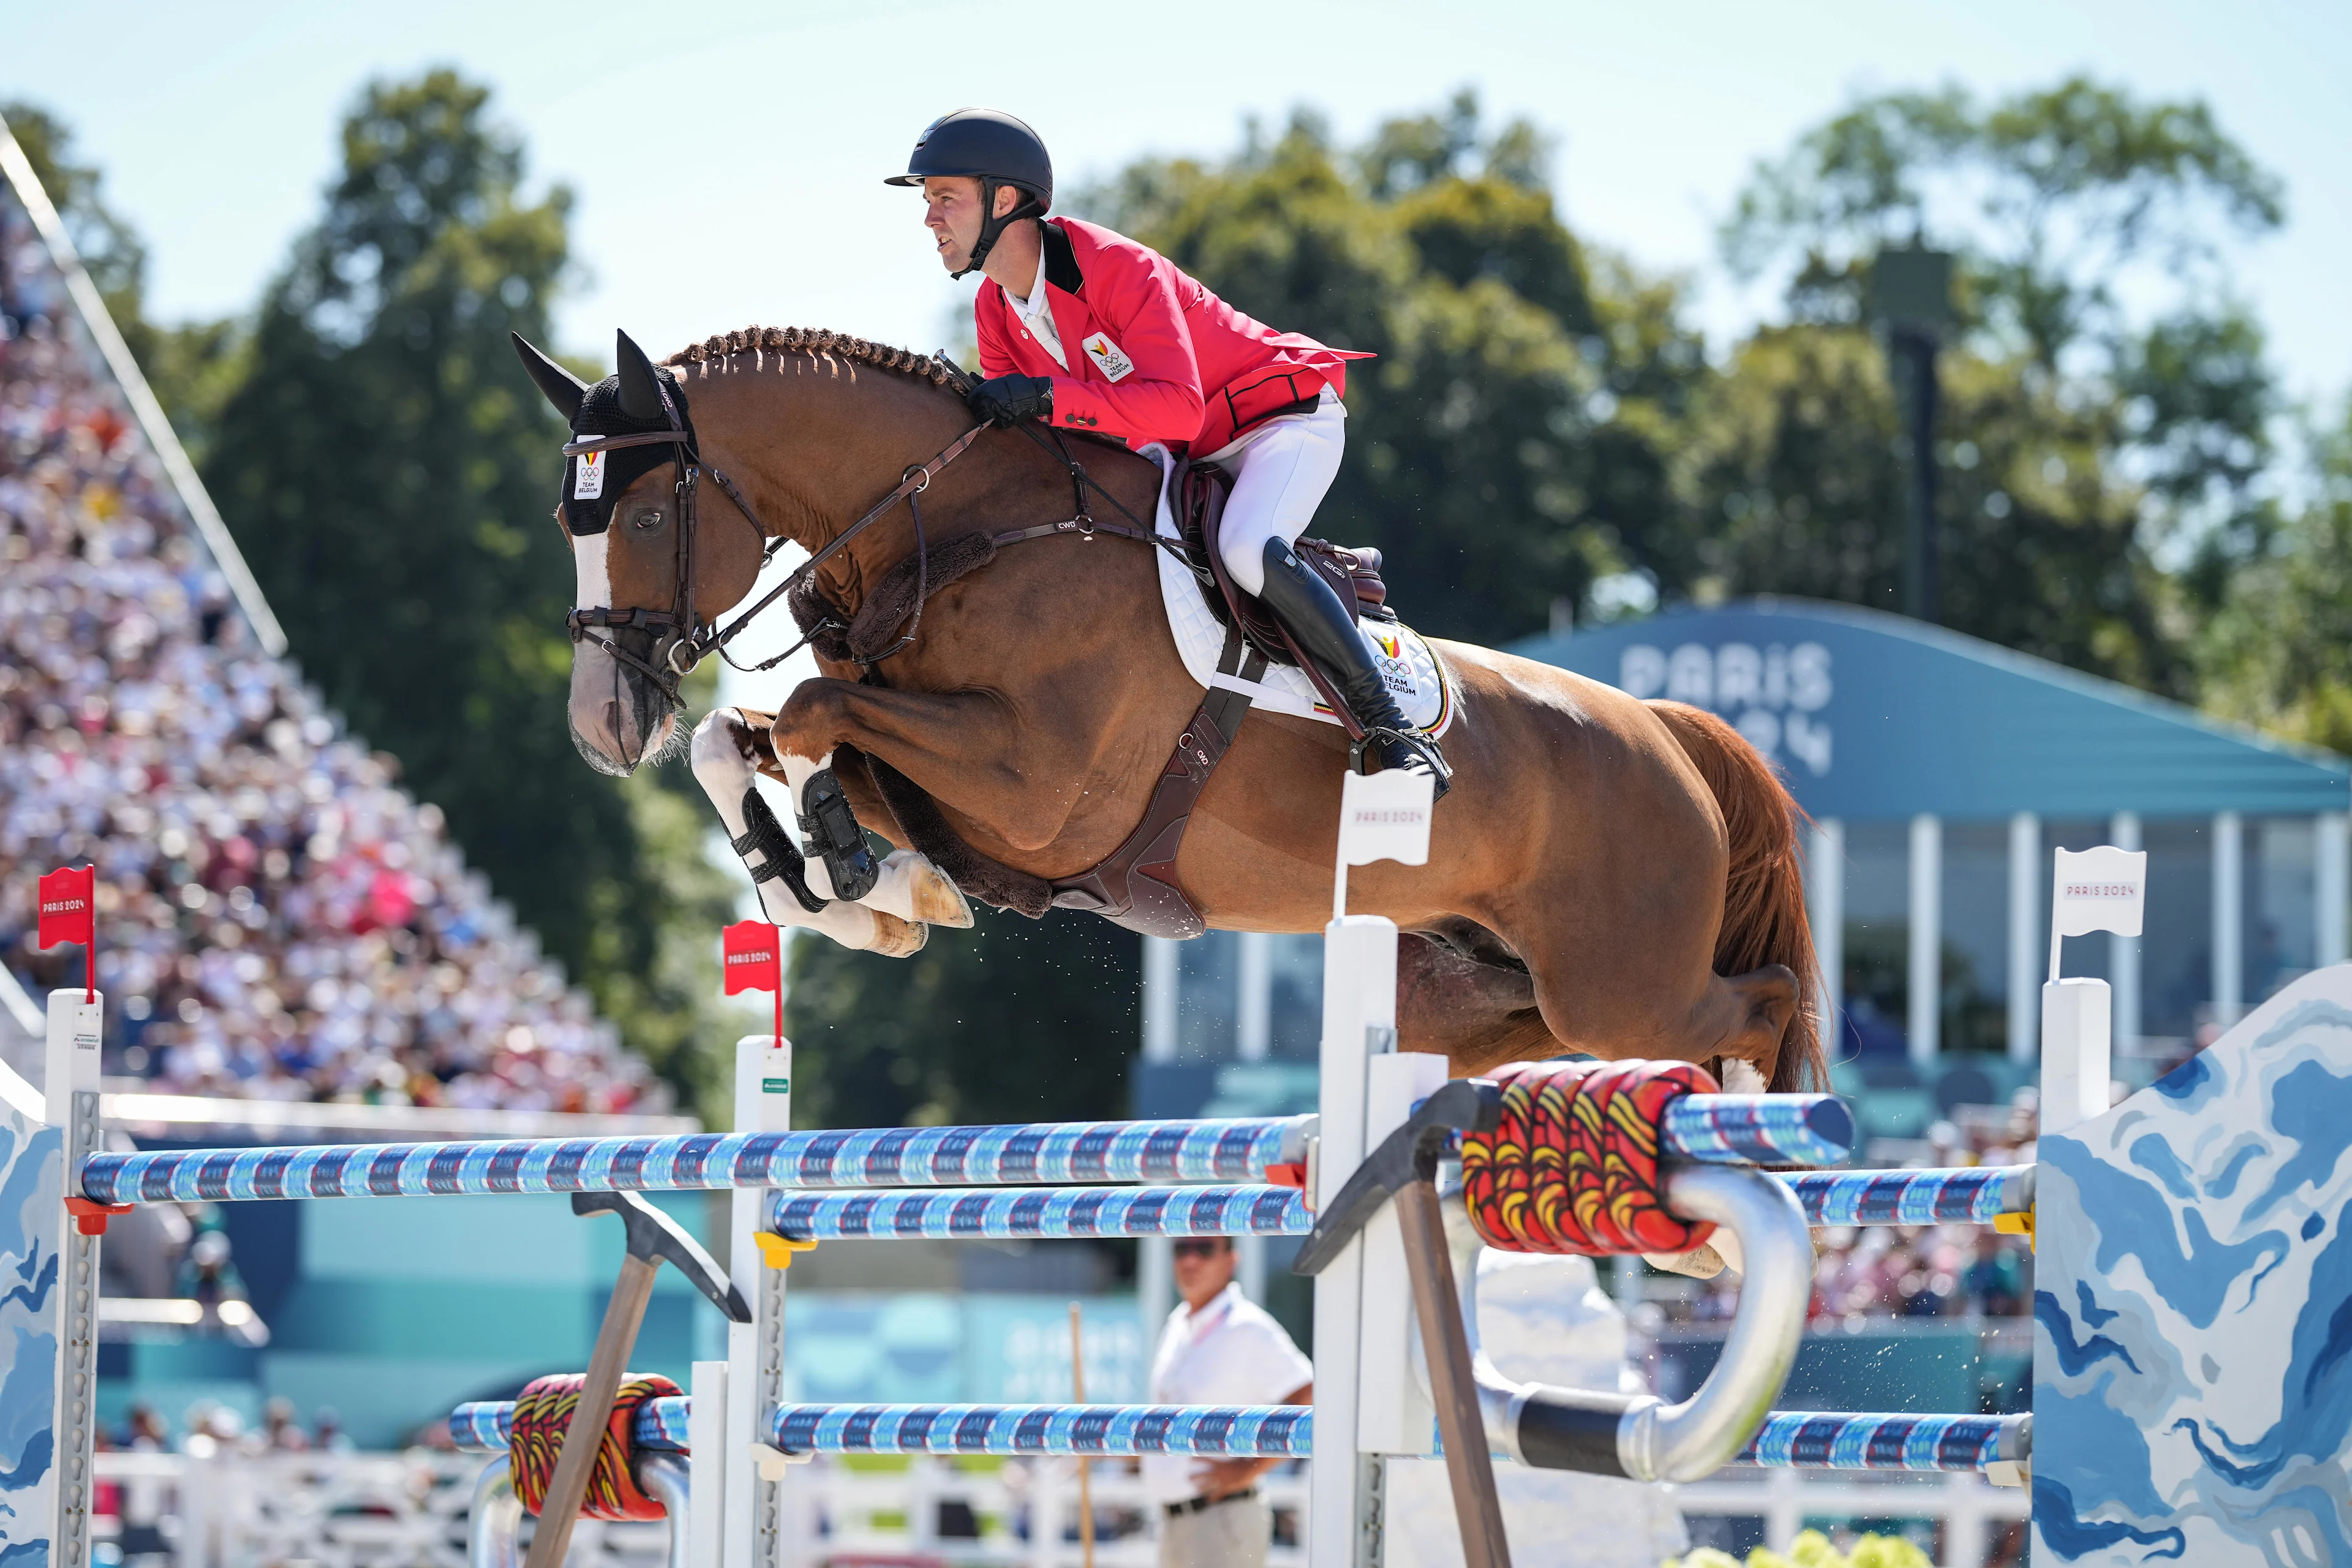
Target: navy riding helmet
{"points": [[994, 148]]}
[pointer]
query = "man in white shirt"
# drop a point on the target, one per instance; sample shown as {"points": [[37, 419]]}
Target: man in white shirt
{"points": [[1219, 1348]]}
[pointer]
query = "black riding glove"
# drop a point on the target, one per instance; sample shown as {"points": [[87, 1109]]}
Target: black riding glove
{"points": [[1002, 399]]}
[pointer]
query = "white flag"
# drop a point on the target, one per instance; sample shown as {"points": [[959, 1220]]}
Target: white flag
{"points": [[1385, 816], [2099, 890]]}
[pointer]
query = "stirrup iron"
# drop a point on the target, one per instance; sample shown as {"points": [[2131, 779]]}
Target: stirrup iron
{"points": [[1423, 746]]}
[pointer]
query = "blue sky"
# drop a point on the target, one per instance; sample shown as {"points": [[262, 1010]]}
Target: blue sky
{"points": [[726, 155]]}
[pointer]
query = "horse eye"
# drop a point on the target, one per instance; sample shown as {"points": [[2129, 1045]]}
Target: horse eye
{"points": [[649, 520]]}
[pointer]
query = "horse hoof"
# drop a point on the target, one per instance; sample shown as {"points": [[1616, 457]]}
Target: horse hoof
{"points": [[895, 938], [1741, 1077], [937, 900]]}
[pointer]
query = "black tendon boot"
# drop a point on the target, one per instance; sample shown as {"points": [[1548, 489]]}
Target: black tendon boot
{"points": [[830, 831], [1326, 632]]}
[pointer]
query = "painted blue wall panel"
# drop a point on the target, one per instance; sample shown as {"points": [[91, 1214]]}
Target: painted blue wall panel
{"points": [[2193, 1402], [32, 1214]]}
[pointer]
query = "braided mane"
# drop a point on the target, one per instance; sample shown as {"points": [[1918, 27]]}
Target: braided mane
{"points": [[814, 341]]}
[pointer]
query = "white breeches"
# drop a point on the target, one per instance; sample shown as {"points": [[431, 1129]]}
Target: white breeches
{"points": [[1281, 472]]}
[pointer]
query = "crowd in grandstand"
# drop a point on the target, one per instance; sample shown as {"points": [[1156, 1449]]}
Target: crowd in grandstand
{"points": [[277, 918]]}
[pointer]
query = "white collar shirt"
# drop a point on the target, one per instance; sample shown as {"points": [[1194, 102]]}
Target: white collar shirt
{"points": [[1230, 1351], [1036, 312]]}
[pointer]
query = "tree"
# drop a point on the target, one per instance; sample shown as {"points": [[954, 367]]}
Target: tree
{"points": [[389, 473], [2077, 439], [2278, 653]]}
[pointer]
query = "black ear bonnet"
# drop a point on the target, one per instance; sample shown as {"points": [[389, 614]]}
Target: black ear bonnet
{"points": [[601, 415]]}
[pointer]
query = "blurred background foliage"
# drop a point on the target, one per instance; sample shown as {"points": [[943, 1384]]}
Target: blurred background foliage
{"points": [[1547, 439]]}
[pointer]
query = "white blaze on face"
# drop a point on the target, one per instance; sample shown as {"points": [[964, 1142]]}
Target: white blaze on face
{"points": [[596, 590]]}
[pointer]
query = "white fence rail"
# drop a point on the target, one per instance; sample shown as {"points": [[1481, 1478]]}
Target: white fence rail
{"points": [[409, 1511]]}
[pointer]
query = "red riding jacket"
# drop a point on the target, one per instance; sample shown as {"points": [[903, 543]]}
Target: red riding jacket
{"points": [[1154, 355]]}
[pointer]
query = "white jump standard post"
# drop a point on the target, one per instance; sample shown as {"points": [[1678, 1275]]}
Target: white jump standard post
{"points": [[1381, 817], [2102, 890], [753, 1505], [75, 1022]]}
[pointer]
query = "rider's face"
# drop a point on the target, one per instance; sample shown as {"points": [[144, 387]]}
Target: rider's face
{"points": [[952, 212]]}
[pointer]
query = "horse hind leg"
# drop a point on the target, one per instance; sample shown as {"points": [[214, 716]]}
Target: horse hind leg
{"points": [[1463, 994], [1747, 1016]]}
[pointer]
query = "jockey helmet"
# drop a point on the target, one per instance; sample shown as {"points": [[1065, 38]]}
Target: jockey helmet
{"points": [[994, 148]]}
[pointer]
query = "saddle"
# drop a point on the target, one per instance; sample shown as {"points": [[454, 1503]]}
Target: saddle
{"points": [[1201, 490]]}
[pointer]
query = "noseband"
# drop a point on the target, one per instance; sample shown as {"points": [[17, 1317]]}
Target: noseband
{"points": [[682, 640]]}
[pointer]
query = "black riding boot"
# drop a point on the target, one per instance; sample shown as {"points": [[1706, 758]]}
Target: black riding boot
{"points": [[1326, 632]]}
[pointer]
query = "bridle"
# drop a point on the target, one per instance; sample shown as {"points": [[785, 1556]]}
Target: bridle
{"points": [[682, 640]]}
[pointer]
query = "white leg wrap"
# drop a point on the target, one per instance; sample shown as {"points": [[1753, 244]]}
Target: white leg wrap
{"points": [[724, 770], [798, 771]]}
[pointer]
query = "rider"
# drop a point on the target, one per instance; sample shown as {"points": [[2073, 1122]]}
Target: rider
{"points": [[1090, 330]]}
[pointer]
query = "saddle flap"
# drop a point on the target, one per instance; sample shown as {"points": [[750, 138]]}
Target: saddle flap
{"points": [[1201, 490]]}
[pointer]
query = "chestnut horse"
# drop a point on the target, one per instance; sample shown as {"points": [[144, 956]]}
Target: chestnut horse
{"points": [[1608, 876]]}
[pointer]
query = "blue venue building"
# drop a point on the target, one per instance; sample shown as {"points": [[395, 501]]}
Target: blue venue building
{"points": [[1940, 771]]}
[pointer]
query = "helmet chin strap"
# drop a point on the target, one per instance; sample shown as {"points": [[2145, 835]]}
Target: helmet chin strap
{"points": [[992, 227]]}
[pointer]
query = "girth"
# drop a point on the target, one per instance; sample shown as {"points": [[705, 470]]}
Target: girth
{"points": [[1136, 884]]}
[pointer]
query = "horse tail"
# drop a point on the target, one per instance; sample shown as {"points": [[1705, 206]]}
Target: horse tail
{"points": [[1764, 919]]}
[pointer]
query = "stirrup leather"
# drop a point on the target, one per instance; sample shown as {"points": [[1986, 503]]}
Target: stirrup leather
{"points": [[829, 829]]}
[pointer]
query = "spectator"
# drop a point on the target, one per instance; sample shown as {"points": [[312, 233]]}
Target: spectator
{"points": [[327, 1434], [1991, 1283], [277, 920], [281, 1428], [1219, 1348], [148, 1432]]}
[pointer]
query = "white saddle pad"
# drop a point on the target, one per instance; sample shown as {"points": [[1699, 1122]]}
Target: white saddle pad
{"points": [[1423, 688]]}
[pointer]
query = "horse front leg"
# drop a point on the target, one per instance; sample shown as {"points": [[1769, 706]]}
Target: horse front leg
{"points": [[730, 749], [956, 746]]}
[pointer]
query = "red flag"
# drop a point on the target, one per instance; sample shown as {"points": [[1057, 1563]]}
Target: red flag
{"points": [[752, 960], [752, 955], [66, 905], [68, 898]]}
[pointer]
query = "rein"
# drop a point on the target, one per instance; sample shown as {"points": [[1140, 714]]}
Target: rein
{"points": [[692, 639]]}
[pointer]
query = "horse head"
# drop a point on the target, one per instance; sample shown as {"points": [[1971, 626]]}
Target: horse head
{"points": [[650, 574]]}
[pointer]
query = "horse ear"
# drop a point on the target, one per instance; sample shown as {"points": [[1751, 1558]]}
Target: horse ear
{"points": [[563, 388], [641, 396]]}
